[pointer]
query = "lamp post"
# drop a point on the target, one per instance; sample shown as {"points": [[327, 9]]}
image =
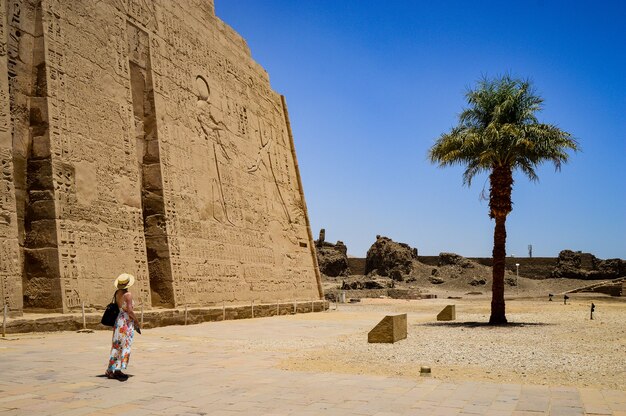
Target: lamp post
{"points": [[517, 277]]}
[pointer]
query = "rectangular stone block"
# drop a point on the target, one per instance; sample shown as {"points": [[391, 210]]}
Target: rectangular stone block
{"points": [[152, 179], [152, 203], [39, 174], [42, 234], [43, 292], [447, 314], [42, 210], [41, 147], [42, 262], [390, 329]]}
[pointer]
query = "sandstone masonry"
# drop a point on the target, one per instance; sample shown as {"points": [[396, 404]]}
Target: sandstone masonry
{"points": [[140, 136]]}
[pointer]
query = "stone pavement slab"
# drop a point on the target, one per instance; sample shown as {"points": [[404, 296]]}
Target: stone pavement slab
{"points": [[232, 368]]}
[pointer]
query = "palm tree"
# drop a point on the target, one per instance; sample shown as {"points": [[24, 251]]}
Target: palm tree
{"points": [[499, 133]]}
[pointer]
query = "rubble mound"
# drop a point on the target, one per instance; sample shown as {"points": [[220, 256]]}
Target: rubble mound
{"points": [[455, 272], [586, 266], [332, 259], [389, 258], [359, 284], [453, 259]]}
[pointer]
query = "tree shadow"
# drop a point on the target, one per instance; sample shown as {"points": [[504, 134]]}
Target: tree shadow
{"points": [[484, 324]]}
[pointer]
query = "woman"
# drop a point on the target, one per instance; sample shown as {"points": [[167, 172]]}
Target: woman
{"points": [[124, 328]]}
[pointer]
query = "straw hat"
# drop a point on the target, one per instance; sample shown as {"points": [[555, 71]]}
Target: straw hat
{"points": [[124, 281]]}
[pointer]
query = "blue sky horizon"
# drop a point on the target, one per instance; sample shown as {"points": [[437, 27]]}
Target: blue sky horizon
{"points": [[370, 87]]}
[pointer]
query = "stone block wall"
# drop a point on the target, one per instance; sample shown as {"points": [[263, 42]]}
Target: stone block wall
{"points": [[356, 265], [141, 137], [530, 267], [10, 255]]}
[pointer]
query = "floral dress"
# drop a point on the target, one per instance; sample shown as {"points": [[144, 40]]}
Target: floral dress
{"points": [[123, 333]]}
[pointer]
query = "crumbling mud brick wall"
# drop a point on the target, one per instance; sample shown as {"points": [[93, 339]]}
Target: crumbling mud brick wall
{"points": [[140, 136]]}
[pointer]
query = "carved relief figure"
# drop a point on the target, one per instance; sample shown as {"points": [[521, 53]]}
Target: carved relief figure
{"points": [[292, 211], [212, 130]]}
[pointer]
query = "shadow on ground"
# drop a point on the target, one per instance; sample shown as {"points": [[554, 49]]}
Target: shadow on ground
{"points": [[122, 380], [484, 324]]}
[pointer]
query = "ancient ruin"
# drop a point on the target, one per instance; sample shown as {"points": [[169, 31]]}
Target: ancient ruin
{"points": [[579, 265], [140, 136], [332, 259], [389, 258]]}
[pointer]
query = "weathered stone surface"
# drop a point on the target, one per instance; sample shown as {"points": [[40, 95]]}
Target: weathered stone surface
{"points": [[332, 258], [568, 265], [158, 318], [510, 280], [435, 280], [44, 209], [478, 281], [42, 234], [162, 152], [396, 274], [356, 265], [404, 293], [578, 265], [446, 259], [386, 255], [447, 314], [390, 329], [609, 269], [361, 284], [39, 174]]}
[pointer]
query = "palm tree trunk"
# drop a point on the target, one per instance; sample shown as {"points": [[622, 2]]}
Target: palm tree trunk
{"points": [[501, 184], [499, 257]]}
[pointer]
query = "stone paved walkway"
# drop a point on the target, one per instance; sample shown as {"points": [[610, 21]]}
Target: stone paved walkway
{"points": [[211, 369]]}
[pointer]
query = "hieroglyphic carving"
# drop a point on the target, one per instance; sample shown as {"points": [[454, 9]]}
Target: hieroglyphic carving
{"points": [[140, 11], [56, 83], [197, 108], [14, 21], [11, 287], [10, 277], [118, 39], [5, 111], [64, 181], [70, 280], [141, 267], [7, 190], [157, 59]]}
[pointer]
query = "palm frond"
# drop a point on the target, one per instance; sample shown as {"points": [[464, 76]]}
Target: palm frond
{"points": [[499, 127]]}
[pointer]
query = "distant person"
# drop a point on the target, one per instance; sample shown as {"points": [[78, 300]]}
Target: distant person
{"points": [[124, 328]]}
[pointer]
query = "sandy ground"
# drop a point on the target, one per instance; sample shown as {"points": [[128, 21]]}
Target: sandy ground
{"points": [[545, 343]]}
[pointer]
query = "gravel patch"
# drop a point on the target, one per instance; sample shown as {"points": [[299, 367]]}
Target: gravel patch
{"points": [[546, 342]]}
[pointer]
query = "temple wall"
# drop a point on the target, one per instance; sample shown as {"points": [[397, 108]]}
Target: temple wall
{"points": [[10, 259], [150, 143]]}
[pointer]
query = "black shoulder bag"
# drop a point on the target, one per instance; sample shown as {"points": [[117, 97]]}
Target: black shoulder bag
{"points": [[110, 313]]}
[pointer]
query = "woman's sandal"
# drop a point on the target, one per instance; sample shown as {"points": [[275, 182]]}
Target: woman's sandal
{"points": [[110, 374]]}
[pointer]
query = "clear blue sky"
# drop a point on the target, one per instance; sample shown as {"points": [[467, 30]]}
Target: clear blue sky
{"points": [[371, 84]]}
